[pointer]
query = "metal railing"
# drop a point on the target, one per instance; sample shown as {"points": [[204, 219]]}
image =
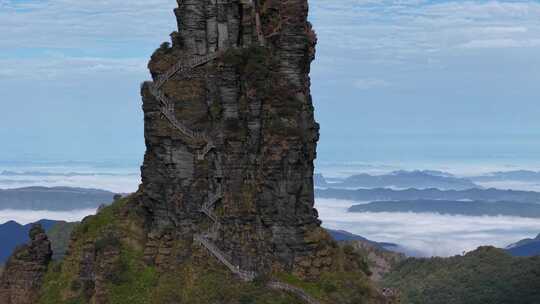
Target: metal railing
{"points": [[292, 289], [224, 259]]}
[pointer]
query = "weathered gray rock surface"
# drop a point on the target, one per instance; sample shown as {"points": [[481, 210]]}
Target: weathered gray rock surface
{"points": [[253, 103]]}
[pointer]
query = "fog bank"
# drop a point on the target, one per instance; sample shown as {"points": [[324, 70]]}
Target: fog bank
{"points": [[430, 234], [24, 217]]}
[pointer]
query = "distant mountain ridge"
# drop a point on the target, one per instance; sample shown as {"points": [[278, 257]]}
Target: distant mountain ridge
{"points": [[342, 235], [53, 199], [517, 175], [526, 247], [474, 208], [401, 180], [475, 194], [422, 179]]}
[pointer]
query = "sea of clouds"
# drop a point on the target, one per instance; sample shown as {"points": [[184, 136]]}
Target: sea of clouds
{"points": [[30, 216], [111, 178], [424, 234], [427, 234]]}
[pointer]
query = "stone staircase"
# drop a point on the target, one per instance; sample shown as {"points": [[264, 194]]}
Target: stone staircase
{"points": [[224, 259], [292, 289], [202, 155], [213, 198], [204, 239], [183, 66]]}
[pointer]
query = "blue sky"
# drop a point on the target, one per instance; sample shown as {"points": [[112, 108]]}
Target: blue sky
{"points": [[393, 79]]}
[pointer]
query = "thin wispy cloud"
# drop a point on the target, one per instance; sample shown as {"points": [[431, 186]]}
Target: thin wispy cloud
{"points": [[82, 23], [65, 68], [419, 26]]}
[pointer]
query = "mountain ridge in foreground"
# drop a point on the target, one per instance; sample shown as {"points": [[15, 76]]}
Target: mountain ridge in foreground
{"points": [[225, 211]]}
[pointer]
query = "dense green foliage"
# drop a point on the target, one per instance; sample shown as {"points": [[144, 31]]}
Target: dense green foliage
{"points": [[336, 287], [487, 275]]}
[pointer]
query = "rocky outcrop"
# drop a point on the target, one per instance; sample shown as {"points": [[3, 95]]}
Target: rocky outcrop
{"points": [[23, 274], [240, 126], [379, 260]]}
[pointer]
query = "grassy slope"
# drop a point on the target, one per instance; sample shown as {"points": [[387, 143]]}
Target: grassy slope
{"points": [[487, 275], [199, 280]]}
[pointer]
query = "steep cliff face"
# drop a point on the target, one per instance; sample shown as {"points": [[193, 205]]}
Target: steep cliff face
{"points": [[23, 274], [247, 137]]}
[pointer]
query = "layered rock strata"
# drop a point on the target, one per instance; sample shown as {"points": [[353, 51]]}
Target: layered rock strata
{"points": [[229, 129]]}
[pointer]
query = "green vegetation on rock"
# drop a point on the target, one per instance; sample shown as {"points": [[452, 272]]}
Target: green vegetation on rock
{"points": [[200, 279], [336, 287]]}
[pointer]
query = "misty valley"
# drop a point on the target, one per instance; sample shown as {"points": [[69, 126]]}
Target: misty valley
{"points": [[421, 213]]}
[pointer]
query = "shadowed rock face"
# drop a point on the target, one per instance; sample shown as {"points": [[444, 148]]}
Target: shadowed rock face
{"points": [[253, 103], [24, 271]]}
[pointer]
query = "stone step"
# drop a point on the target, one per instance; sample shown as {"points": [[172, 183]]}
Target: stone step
{"points": [[168, 112], [209, 213], [184, 66], [244, 275]]}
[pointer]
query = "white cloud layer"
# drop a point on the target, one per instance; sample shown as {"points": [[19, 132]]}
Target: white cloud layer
{"points": [[430, 234], [27, 217]]}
